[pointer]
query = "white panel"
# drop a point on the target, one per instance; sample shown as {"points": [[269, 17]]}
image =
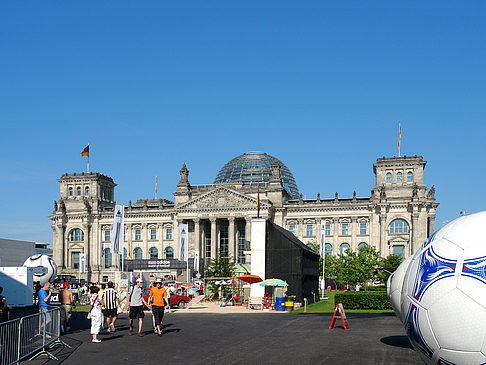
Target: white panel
{"points": [[258, 230]]}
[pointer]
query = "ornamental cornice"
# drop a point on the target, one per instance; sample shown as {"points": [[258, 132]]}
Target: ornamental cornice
{"points": [[319, 210], [220, 198]]}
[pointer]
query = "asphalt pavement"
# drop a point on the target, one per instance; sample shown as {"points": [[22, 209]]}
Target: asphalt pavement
{"points": [[234, 338]]}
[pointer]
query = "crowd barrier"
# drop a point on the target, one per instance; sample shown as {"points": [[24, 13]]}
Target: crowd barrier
{"points": [[33, 335]]}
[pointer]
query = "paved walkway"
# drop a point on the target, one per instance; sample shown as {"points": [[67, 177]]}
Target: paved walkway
{"points": [[254, 337]]}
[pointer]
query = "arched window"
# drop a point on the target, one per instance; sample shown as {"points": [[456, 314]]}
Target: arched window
{"points": [[409, 176], [362, 245], [328, 249], [78, 190], [71, 192], [388, 177], [86, 190], [76, 235], [169, 253], [154, 253], [344, 246], [107, 255], [137, 253], [399, 226], [399, 177]]}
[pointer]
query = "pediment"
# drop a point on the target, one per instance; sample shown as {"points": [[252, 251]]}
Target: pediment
{"points": [[222, 197], [74, 245]]}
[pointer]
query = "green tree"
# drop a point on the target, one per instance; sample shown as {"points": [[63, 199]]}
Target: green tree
{"points": [[219, 267], [387, 266], [355, 267]]}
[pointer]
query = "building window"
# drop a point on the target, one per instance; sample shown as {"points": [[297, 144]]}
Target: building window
{"points": [[308, 230], [137, 253], [107, 258], [75, 260], [207, 240], [86, 190], [388, 177], [344, 246], [362, 228], [125, 253], [362, 245], [399, 226], [224, 238], [409, 176], [168, 234], [328, 229], [154, 253], [76, 235], [292, 229], [137, 235], [78, 190], [328, 249], [399, 250], [153, 234], [241, 242], [169, 253], [399, 177], [107, 235], [345, 229], [70, 189]]}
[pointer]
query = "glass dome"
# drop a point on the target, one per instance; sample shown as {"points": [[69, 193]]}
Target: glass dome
{"points": [[255, 167]]}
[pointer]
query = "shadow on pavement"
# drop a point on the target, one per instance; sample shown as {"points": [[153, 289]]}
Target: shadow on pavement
{"points": [[397, 341]]}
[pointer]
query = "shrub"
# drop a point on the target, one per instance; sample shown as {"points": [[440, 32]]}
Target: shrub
{"points": [[363, 300], [375, 288]]}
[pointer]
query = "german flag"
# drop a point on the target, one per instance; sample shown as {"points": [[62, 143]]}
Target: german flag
{"points": [[85, 152]]}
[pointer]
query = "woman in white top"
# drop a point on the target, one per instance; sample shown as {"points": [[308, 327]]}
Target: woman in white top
{"points": [[96, 304]]}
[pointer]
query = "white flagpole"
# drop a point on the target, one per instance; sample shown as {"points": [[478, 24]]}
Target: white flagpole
{"points": [[323, 255]]}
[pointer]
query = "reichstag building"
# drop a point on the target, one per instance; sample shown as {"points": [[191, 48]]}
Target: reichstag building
{"points": [[396, 218]]}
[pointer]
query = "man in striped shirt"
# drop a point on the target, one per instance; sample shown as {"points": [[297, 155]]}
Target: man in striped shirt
{"points": [[110, 301]]}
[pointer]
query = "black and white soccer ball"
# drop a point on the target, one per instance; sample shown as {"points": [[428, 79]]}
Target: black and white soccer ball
{"points": [[43, 261]]}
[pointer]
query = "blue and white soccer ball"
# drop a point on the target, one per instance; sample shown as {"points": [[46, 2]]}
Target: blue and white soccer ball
{"points": [[443, 299], [394, 286], [43, 261]]}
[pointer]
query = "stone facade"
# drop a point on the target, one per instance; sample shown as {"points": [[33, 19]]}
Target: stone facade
{"points": [[397, 217]]}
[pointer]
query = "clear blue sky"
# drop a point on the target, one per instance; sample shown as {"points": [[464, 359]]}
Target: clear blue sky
{"points": [[320, 85]]}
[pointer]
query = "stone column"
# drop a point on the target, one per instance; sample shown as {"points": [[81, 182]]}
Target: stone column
{"points": [[176, 234], [414, 236], [197, 237], [300, 228], [231, 239], [383, 234], [214, 238], [354, 232], [335, 233]]}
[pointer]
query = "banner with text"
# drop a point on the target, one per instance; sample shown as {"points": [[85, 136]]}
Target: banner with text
{"points": [[196, 261], [82, 263], [117, 232], [183, 249]]}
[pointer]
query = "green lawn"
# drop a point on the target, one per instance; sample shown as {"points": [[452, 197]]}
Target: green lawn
{"points": [[328, 305]]}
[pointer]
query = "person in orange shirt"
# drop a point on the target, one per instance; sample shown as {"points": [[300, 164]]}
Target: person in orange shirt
{"points": [[158, 297]]}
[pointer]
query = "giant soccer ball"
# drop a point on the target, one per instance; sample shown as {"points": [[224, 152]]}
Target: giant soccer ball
{"points": [[394, 286], [443, 300], [43, 261]]}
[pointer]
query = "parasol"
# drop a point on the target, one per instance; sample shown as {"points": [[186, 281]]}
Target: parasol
{"points": [[273, 282], [250, 279]]}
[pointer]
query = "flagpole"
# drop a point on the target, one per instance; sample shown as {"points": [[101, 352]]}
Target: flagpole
{"points": [[88, 160], [155, 187]]}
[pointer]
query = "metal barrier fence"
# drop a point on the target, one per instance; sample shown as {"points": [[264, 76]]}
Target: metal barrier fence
{"points": [[34, 334]]}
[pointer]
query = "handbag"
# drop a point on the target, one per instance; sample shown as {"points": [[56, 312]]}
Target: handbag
{"points": [[92, 305]]}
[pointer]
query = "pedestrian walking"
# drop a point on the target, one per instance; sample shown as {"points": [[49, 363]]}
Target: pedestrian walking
{"points": [[3, 307], [158, 296], [110, 301], [135, 306], [95, 313], [67, 304], [100, 293]]}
